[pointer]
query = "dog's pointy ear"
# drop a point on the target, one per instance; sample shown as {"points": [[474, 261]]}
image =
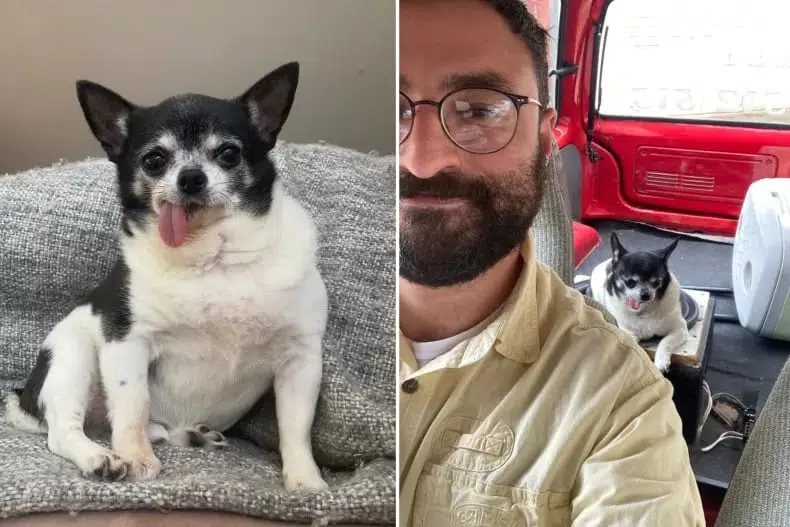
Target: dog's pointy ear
{"points": [[107, 114], [667, 251], [618, 251], [270, 99]]}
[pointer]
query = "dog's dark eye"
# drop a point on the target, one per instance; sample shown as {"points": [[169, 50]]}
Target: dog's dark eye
{"points": [[630, 282], [154, 162], [229, 156]]}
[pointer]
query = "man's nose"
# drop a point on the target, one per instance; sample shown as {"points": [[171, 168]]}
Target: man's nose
{"points": [[428, 151]]}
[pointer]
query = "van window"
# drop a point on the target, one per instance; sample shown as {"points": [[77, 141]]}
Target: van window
{"points": [[706, 60]]}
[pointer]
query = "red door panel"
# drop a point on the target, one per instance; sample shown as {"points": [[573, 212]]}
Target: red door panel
{"points": [[698, 169], [707, 181]]}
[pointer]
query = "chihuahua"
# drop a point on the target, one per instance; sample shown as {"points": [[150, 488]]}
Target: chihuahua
{"points": [[643, 296], [215, 298]]}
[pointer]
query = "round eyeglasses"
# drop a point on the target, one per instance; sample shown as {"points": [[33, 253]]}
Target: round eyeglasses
{"points": [[477, 120]]}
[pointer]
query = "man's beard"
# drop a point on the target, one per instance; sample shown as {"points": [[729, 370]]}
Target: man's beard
{"points": [[441, 248]]}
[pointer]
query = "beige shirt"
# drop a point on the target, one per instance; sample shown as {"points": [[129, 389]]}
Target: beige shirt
{"points": [[548, 417]]}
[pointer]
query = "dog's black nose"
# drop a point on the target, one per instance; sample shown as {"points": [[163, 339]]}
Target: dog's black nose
{"points": [[192, 181], [645, 296]]}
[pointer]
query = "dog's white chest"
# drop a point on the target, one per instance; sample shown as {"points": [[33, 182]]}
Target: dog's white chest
{"points": [[642, 327], [214, 338], [232, 313]]}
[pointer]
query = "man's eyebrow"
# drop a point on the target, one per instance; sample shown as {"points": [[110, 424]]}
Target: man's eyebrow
{"points": [[404, 83], [479, 79]]}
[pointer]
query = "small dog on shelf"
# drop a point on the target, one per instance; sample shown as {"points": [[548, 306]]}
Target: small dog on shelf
{"points": [[643, 296]]}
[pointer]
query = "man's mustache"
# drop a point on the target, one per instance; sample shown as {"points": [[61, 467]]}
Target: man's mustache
{"points": [[444, 185]]}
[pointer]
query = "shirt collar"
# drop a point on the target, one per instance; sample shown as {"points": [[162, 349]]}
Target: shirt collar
{"points": [[519, 337], [405, 353]]}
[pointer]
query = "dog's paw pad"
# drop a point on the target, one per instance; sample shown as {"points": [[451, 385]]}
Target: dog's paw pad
{"points": [[110, 467], [203, 436]]}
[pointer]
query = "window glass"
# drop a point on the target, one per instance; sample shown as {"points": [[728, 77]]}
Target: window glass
{"points": [[710, 60]]}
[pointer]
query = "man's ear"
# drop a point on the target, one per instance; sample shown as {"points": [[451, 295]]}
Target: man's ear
{"points": [[618, 251], [107, 114], [269, 101], [548, 121]]}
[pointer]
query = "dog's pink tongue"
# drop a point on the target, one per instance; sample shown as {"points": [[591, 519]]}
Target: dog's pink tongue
{"points": [[634, 304], [172, 224]]}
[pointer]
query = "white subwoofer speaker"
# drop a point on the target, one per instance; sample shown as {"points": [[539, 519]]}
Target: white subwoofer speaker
{"points": [[761, 259]]}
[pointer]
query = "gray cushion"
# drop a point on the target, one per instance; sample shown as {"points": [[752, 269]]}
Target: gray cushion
{"points": [[552, 228], [57, 240]]}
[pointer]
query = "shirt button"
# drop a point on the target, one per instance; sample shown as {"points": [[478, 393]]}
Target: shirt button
{"points": [[410, 385]]}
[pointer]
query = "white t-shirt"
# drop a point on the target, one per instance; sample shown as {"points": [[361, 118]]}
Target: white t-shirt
{"points": [[425, 352]]}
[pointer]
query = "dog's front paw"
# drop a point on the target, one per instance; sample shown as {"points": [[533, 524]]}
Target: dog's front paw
{"points": [[663, 361], [107, 467], [303, 476], [143, 468]]}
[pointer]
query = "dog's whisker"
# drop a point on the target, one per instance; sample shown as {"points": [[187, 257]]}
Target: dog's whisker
{"points": [[226, 199]]}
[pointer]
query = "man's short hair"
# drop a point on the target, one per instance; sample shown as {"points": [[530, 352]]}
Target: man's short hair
{"points": [[535, 37]]}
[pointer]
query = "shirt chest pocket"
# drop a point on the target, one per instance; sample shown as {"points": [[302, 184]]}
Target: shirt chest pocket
{"points": [[460, 487], [449, 498]]}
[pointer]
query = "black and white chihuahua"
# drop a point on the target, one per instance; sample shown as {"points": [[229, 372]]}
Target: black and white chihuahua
{"points": [[216, 296], [643, 296]]}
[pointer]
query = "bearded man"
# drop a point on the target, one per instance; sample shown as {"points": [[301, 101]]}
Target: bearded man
{"points": [[519, 404]]}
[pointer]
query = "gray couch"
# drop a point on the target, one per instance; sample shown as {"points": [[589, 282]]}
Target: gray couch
{"points": [[759, 493]]}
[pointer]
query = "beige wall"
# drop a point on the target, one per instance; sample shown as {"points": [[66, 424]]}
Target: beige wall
{"points": [[150, 49]]}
